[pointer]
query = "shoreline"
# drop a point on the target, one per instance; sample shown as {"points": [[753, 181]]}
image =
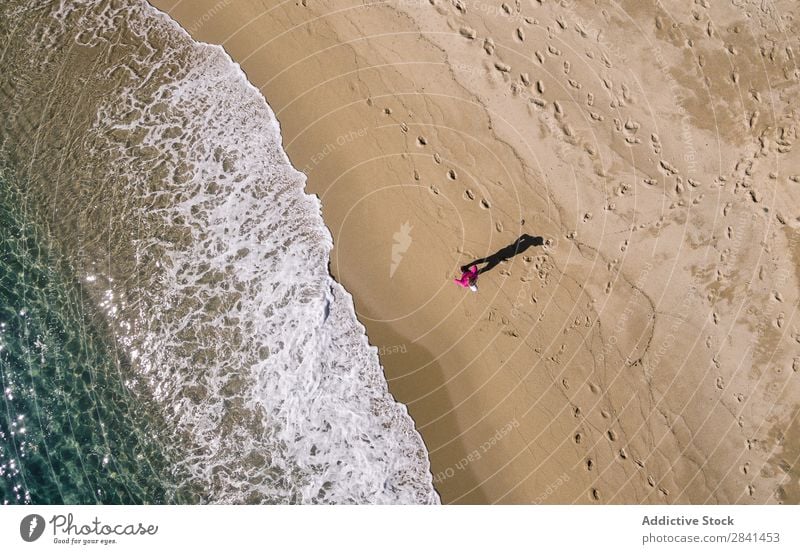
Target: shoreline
{"points": [[340, 142], [443, 428], [433, 136]]}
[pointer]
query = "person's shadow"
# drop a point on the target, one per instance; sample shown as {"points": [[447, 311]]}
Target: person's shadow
{"points": [[517, 247]]}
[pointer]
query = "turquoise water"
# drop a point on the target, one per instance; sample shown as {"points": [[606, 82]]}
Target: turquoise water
{"points": [[71, 431], [170, 332]]}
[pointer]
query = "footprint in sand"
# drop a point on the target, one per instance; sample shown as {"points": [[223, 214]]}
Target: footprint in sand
{"points": [[626, 93], [468, 32], [577, 438], [655, 142], [589, 464], [451, 174], [469, 195], [485, 204], [422, 141], [594, 494], [668, 168], [632, 126]]}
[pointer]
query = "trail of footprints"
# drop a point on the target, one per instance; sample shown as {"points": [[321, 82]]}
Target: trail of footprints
{"points": [[450, 174], [546, 77], [611, 436], [532, 85], [534, 90]]}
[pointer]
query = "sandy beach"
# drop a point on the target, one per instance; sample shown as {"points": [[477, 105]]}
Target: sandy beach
{"points": [[647, 348]]}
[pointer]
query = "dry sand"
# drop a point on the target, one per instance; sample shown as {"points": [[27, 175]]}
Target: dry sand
{"points": [[650, 353]]}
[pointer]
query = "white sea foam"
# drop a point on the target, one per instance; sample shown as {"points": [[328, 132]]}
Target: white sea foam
{"points": [[253, 350]]}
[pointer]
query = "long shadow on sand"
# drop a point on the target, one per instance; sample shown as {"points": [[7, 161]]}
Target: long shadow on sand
{"points": [[506, 253]]}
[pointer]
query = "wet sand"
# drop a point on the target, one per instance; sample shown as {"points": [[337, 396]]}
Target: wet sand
{"points": [[649, 351]]}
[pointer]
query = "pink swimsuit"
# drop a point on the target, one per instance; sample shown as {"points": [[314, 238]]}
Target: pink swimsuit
{"points": [[468, 277]]}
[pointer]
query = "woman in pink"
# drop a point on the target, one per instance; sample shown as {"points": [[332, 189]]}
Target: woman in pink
{"points": [[469, 278]]}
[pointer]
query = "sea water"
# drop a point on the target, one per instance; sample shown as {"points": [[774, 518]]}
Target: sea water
{"points": [[169, 331]]}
